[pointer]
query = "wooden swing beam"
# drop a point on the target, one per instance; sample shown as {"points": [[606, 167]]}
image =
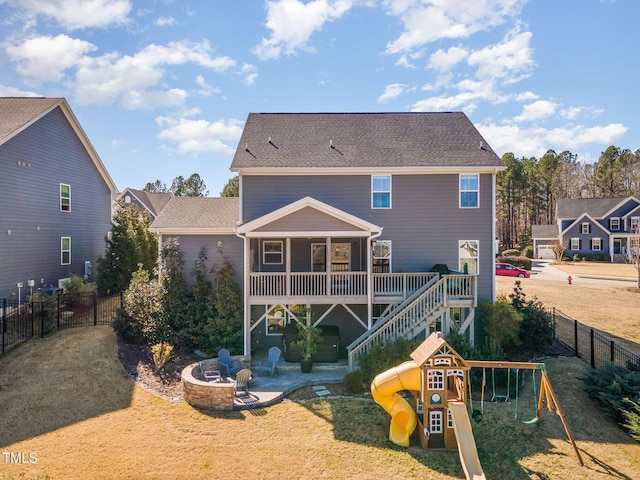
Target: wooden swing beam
{"points": [[547, 395]]}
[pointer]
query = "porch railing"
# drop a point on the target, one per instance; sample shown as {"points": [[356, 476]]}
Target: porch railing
{"points": [[308, 284], [350, 284], [415, 313]]}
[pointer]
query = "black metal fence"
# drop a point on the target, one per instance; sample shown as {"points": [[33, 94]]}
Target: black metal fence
{"points": [[20, 321], [591, 344]]}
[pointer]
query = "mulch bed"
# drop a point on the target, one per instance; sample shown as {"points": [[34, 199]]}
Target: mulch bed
{"points": [[137, 361]]}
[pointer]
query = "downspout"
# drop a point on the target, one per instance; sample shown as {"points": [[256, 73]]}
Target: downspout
{"points": [[245, 295], [493, 241], [370, 239]]}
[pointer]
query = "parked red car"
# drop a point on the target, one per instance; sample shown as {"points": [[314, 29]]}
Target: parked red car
{"points": [[508, 270]]}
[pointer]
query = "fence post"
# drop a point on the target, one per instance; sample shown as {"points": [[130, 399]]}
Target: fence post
{"points": [[613, 352], [575, 337], [32, 304], [3, 320], [95, 309], [593, 353], [58, 309], [42, 319]]}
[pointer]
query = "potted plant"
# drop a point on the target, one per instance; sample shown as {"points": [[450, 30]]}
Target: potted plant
{"points": [[309, 336]]}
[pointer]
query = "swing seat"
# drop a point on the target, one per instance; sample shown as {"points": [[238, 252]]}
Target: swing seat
{"points": [[531, 422]]}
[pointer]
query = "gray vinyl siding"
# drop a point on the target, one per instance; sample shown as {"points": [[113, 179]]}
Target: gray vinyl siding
{"points": [[34, 163], [424, 224], [232, 247], [585, 239]]}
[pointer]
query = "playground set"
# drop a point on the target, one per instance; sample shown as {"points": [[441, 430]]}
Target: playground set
{"points": [[438, 378]]}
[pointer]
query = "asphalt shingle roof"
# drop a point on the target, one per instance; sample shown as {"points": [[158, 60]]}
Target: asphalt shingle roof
{"points": [[544, 231], [198, 213], [596, 207], [361, 140], [153, 201], [18, 112]]}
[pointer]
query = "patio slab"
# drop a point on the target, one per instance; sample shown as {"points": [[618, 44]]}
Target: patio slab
{"points": [[265, 390]]}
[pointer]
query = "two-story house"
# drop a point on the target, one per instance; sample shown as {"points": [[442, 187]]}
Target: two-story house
{"points": [[349, 213], [592, 226], [55, 196], [149, 202]]}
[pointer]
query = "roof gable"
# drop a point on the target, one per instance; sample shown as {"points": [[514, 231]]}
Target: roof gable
{"points": [[19, 113], [317, 141], [308, 216], [581, 219], [435, 346], [154, 202]]}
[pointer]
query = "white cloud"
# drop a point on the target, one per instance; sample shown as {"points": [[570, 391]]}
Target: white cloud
{"points": [[16, 92], [537, 140], [427, 21], [537, 110], [511, 56], [391, 92], [292, 23], [249, 72], [79, 14], [165, 22], [46, 58], [445, 61], [196, 136], [126, 79]]}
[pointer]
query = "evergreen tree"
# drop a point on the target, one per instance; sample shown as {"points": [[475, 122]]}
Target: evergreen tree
{"points": [[232, 188], [130, 244]]}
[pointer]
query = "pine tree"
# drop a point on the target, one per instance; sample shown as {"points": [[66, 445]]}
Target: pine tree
{"points": [[129, 244]]}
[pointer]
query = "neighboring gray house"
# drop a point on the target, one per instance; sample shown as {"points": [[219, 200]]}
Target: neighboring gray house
{"points": [[349, 213], [55, 196], [152, 203], [592, 226]]}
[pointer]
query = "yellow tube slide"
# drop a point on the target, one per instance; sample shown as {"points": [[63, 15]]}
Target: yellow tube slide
{"points": [[384, 388]]}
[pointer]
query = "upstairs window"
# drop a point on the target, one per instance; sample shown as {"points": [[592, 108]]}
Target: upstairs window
{"points": [[435, 379], [469, 190], [65, 251], [585, 228], [65, 197], [633, 224], [272, 252], [614, 223], [381, 191], [382, 257]]}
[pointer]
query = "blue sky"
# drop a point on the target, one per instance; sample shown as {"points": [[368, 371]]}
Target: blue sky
{"points": [[162, 88]]}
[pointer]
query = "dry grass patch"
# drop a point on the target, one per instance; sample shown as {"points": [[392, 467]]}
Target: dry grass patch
{"points": [[113, 429], [612, 309]]}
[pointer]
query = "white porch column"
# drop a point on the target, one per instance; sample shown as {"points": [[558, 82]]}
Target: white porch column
{"points": [[328, 265], [288, 266], [611, 248], [247, 286]]}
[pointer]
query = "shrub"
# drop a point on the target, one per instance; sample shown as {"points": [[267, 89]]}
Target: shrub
{"points": [[501, 326], [632, 419], [536, 329], [522, 262], [161, 354], [382, 357], [610, 385], [143, 304], [528, 251], [353, 382], [128, 329], [511, 252]]}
